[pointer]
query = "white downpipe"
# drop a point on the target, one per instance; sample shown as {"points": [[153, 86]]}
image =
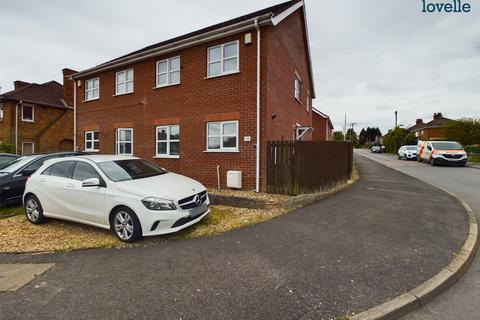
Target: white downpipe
{"points": [[257, 167], [16, 126], [218, 178], [74, 114]]}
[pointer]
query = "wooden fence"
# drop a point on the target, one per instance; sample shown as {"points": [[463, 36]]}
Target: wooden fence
{"points": [[296, 167]]}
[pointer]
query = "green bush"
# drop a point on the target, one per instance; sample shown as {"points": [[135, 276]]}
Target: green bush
{"points": [[6, 148], [465, 131], [395, 138], [472, 149]]}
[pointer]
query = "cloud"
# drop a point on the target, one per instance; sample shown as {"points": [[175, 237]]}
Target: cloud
{"points": [[370, 57]]}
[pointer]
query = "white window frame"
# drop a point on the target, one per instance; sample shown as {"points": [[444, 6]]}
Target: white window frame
{"points": [[168, 141], [1, 111], [87, 91], [308, 103], [222, 59], [93, 140], [221, 135], [33, 113], [33, 146], [124, 83], [117, 142], [298, 91], [168, 73]]}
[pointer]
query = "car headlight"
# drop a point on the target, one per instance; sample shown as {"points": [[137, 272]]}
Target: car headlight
{"points": [[154, 203]]}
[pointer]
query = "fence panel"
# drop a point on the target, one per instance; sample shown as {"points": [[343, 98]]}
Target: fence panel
{"points": [[295, 167]]}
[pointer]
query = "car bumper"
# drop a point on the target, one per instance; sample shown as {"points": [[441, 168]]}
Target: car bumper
{"points": [[164, 222], [411, 156], [442, 160]]}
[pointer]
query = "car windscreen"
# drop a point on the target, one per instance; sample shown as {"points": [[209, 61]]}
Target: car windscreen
{"points": [[17, 164], [446, 146], [131, 169], [6, 161], [411, 148]]}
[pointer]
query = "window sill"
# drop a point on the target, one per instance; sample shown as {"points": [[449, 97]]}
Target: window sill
{"points": [[165, 157], [91, 100], [96, 151], [122, 94], [31, 121], [299, 102], [222, 151], [166, 85], [222, 75]]}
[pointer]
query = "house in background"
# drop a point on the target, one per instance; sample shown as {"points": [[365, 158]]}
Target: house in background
{"points": [[38, 117], [322, 126], [205, 101], [433, 130]]}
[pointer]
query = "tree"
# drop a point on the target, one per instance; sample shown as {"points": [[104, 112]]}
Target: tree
{"points": [[465, 131], [338, 136], [397, 137], [369, 135], [352, 136]]}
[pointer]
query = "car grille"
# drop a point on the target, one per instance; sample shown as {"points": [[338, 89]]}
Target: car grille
{"points": [[452, 156], [188, 203]]}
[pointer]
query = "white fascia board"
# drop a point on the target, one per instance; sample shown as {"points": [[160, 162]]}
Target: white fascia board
{"points": [[277, 19]]}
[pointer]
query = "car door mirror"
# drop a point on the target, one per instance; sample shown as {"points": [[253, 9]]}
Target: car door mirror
{"points": [[27, 172], [92, 182]]}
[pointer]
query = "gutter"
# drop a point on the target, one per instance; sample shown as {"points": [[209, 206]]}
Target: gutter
{"points": [[74, 114], [262, 20], [257, 147]]}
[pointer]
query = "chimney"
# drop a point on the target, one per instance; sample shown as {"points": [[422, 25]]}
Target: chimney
{"points": [[20, 84], [437, 115], [419, 121], [68, 86]]}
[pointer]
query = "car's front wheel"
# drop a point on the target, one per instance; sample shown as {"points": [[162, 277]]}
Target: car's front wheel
{"points": [[126, 225], [432, 162], [33, 210]]}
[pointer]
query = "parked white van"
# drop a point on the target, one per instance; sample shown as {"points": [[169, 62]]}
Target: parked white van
{"points": [[441, 152]]}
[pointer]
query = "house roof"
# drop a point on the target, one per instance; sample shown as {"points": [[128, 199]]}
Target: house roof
{"points": [[435, 123], [48, 94], [271, 15]]}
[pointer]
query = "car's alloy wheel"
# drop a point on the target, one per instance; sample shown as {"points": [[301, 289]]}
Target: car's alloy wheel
{"points": [[432, 162], [126, 225], [33, 210]]}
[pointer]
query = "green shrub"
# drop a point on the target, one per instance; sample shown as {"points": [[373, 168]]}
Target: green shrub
{"points": [[6, 148]]}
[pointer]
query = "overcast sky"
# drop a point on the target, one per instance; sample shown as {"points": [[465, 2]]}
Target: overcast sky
{"points": [[370, 57]]}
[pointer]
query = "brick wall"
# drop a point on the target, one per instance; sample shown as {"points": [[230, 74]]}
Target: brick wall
{"points": [[320, 124], [198, 100], [51, 131]]}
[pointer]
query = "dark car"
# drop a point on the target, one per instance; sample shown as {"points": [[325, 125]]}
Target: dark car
{"points": [[6, 158], [14, 176]]}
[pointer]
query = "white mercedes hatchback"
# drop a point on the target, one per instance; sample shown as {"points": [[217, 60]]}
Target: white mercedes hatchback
{"points": [[128, 195]]}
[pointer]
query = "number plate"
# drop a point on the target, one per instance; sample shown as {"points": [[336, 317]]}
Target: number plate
{"points": [[198, 210]]}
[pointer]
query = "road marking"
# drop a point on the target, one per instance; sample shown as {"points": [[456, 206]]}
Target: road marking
{"points": [[13, 276]]}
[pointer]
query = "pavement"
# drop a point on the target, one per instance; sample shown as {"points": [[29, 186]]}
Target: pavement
{"points": [[460, 302], [365, 245]]}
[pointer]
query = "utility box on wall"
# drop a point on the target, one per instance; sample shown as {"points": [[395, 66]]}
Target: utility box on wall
{"points": [[234, 179]]}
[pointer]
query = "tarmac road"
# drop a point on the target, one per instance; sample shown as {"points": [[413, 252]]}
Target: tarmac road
{"points": [[462, 300]]}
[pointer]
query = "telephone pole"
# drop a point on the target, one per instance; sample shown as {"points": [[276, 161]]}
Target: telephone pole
{"points": [[396, 118], [345, 129]]}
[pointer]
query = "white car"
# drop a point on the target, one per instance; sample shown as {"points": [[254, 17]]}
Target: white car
{"points": [[407, 152], [128, 195]]}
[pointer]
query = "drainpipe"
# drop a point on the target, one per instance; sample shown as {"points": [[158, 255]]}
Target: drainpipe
{"points": [[74, 114], [257, 167], [16, 125]]}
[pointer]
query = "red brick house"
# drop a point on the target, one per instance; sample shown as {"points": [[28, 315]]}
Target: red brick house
{"points": [[37, 118], [204, 100], [432, 130], [322, 126]]}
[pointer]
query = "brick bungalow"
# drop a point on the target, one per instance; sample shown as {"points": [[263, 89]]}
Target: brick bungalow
{"points": [[432, 130], [206, 100], [322, 126], [38, 118]]}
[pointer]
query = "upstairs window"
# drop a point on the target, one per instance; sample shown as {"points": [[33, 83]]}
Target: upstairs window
{"points": [[1, 111], [168, 141], [222, 59], [222, 136], [124, 82], [308, 104], [298, 89], [28, 113], [92, 89], [168, 72], [92, 141], [124, 141]]}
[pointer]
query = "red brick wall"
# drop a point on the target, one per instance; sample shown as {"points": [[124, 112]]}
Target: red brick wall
{"points": [[319, 124], [197, 100], [51, 126]]}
